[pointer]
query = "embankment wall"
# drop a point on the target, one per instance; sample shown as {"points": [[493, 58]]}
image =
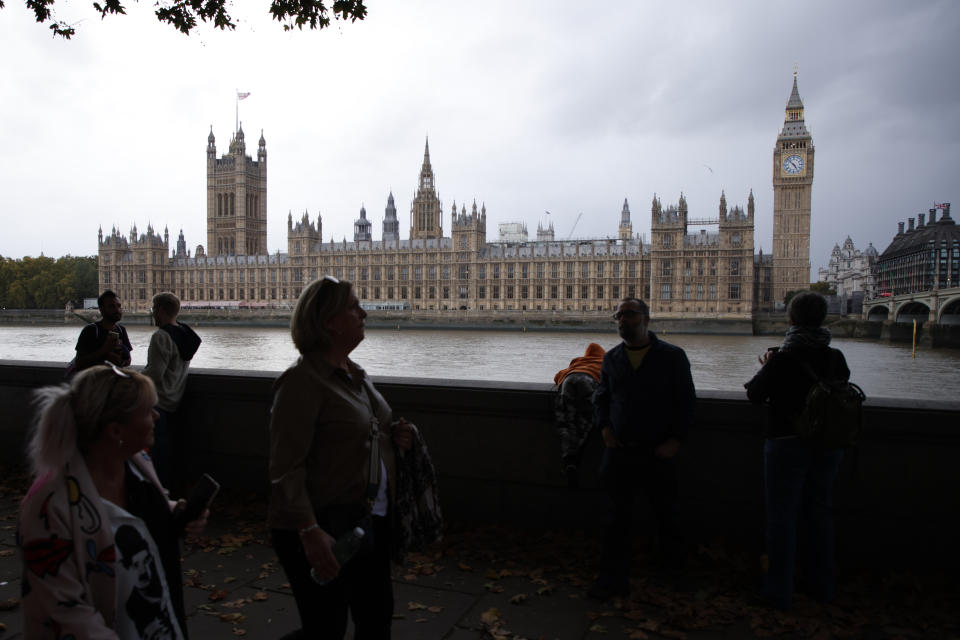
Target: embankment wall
{"points": [[497, 452]]}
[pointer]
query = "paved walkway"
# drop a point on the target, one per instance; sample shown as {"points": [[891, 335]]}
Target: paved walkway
{"points": [[501, 583]]}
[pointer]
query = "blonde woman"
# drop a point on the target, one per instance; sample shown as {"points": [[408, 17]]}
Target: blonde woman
{"points": [[332, 467], [96, 531]]}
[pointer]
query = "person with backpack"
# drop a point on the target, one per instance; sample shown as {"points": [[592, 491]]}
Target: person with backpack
{"points": [[103, 340], [799, 466], [172, 347]]}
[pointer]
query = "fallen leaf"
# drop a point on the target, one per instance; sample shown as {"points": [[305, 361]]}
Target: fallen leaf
{"points": [[235, 604], [9, 604], [490, 616], [493, 587], [232, 617]]}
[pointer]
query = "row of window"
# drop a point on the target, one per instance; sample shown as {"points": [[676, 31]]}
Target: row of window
{"points": [[691, 293]]}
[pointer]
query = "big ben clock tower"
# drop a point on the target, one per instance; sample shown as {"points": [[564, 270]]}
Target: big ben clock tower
{"points": [[792, 184]]}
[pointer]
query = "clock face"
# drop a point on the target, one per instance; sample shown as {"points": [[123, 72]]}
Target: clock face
{"points": [[793, 164]]}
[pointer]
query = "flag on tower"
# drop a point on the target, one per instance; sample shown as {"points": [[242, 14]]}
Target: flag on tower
{"points": [[242, 95]]}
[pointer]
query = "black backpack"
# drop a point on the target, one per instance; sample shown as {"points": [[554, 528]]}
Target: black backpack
{"points": [[832, 415]]}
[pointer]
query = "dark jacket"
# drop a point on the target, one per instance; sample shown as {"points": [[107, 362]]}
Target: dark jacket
{"points": [[649, 405], [783, 383]]}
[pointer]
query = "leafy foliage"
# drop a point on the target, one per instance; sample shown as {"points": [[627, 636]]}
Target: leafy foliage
{"points": [[45, 283], [822, 288], [184, 15]]}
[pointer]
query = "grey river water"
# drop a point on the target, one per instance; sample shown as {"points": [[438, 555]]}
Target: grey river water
{"points": [[719, 362]]}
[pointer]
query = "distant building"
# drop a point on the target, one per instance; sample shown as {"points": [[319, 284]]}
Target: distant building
{"points": [[694, 266], [512, 232], [922, 257], [850, 271]]}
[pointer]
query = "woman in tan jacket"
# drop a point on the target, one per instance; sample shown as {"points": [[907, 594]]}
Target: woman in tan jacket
{"points": [[332, 439]]}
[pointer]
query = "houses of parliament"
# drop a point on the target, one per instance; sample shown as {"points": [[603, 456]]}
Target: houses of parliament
{"points": [[710, 272]]}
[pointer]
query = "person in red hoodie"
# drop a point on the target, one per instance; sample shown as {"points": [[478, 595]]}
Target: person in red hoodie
{"points": [[573, 407]]}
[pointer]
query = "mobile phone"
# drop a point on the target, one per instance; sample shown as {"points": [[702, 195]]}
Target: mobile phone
{"points": [[199, 499]]}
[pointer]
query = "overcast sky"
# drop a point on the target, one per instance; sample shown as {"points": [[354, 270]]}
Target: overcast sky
{"points": [[566, 107]]}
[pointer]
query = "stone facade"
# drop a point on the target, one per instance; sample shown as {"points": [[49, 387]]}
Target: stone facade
{"points": [[692, 267], [924, 257], [850, 271], [792, 185]]}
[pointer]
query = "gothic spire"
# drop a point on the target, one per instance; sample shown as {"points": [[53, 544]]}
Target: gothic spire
{"points": [[793, 125], [795, 102], [426, 156]]}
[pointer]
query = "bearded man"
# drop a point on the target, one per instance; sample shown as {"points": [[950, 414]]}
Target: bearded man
{"points": [[644, 408]]}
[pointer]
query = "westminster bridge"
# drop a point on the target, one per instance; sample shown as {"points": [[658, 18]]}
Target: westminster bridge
{"points": [[497, 454], [936, 306]]}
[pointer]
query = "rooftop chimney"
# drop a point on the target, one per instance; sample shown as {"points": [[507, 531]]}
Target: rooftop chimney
{"points": [[909, 225]]}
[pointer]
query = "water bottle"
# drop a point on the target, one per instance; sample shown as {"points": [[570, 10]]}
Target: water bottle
{"points": [[343, 549]]}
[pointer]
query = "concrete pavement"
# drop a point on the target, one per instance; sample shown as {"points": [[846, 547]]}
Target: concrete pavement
{"points": [[490, 582]]}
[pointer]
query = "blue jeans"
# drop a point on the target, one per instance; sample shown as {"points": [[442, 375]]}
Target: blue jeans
{"points": [[799, 492]]}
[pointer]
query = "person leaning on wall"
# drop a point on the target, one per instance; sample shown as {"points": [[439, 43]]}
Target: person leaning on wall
{"points": [[798, 474], [573, 408], [172, 346]]}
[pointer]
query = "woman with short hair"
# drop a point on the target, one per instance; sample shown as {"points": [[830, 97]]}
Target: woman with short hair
{"points": [[332, 466], [97, 532]]}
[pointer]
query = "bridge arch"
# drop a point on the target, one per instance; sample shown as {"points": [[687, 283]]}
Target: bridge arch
{"points": [[950, 311], [912, 310], [878, 313]]}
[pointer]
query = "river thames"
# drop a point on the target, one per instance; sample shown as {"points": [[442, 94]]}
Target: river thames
{"points": [[719, 362]]}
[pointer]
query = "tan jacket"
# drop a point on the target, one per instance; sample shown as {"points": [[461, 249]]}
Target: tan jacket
{"points": [[320, 440]]}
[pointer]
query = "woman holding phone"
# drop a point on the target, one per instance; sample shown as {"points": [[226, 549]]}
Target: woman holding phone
{"points": [[332, 465], [97, 532]]}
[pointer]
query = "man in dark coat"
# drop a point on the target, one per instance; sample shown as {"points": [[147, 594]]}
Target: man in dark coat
{"points": [[644, 408]]}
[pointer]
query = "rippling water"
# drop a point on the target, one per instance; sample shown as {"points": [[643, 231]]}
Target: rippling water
{"points": [[719, 362]]}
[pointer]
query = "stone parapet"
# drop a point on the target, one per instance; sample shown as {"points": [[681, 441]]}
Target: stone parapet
{"points": [[497, 452]]}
